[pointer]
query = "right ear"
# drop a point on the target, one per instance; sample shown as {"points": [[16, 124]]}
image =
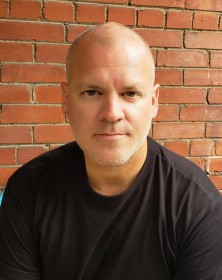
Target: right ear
{"points": [[64, 102]]}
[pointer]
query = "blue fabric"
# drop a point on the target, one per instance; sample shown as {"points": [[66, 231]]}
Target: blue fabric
{"points": [[1, 196]]}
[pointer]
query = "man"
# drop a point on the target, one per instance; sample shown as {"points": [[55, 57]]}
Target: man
{"points": [[114, 205]]}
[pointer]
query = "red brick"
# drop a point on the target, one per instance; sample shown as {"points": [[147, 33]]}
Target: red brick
{"points": [[53, 134], [3, 8], [199, 162], [31, 31], [169, 77], [179, 147], [7, 156], [16, 51], [14, 94], [151, 18], [122, 15], [15, 134], [219, 148], [179, 19], [160, 3], [27, 9], [216, 60], [217, 181], [25, 154], [202, 77], [58, 11], [214, 130], [48, 94], [213, 5], [214, 164], [178, 130], [204, 20], [5, 173], [31, 114], [107, 1], [51, 53], [201, 113], [167, 113], [202, 148], [180, 58], [154, 53], [182, 95], [32, 73], [215, 96], [220, 23], [162, 38], [203, 40], [74, 31], [90, 13]]}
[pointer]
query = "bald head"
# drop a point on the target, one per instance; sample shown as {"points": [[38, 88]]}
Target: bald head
{"points": [[110, 35]]}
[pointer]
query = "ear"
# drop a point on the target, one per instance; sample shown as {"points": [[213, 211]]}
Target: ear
{"points": [[155, 98], [64, 102]]}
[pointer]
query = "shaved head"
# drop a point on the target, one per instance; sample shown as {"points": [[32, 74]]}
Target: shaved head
{"points": [[110, 35]]}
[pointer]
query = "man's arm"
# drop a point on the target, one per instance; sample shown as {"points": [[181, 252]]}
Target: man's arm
{"points": [[201, 255], [19, 258]]}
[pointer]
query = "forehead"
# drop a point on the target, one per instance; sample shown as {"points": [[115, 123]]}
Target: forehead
{"points": [[108, 78], [102, 64], [91, 55], [116, 54]]}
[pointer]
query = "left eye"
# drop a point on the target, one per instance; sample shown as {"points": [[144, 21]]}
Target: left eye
{"points": [[90, 92], [130, 93]]}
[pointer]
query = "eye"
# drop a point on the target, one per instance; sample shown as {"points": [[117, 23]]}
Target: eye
{"points": [[131, 94], [90, 93]]}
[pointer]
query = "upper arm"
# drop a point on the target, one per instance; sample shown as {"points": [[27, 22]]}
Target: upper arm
{"points": [[19, 257], [201, 256]]}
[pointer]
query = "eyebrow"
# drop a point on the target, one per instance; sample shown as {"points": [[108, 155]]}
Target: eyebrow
{"points": [[133, 87], [86, 85]]}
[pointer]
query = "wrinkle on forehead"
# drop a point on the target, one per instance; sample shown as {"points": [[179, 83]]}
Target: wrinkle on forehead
{"points": [[112, 35]]}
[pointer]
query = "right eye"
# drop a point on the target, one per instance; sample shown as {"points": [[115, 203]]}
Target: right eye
{"points": [[90, 92]]}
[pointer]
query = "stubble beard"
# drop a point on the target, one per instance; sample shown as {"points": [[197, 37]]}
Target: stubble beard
{"points": [[117, 155]]}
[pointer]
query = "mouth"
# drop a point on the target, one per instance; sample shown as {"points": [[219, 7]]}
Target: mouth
{"points": [[110, 135]]}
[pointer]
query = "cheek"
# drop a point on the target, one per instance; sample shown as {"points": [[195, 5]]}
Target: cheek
{"points": [[80, 115], [140, 114]]}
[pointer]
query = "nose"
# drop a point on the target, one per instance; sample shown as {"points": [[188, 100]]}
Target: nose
{"points": [[111, 109]]}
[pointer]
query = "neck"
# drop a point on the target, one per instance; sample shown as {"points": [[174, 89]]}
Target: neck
{"points": [[112, 180]]}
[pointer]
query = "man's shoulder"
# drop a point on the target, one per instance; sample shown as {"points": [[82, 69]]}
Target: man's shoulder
{"points": [[182, 170], [60, 157], [174, 160]]}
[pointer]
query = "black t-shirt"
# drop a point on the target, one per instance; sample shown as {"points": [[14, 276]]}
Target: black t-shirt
{"points": [[166, 225]]}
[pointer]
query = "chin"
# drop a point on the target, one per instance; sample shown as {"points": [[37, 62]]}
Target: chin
{"points": [[112, 162], [113, 155], [113, 159]]}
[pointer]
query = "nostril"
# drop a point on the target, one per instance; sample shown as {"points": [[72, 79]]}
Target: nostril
{"points": [[112, 114]]}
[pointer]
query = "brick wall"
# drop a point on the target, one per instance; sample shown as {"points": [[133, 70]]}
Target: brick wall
{"points": [[186, 40]]}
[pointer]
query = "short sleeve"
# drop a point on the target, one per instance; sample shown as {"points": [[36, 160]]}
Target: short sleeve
{"points": [[201, 256], [19, 258]]}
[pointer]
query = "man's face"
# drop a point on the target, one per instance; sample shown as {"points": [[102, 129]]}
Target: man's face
{"points": [[110, 101]]}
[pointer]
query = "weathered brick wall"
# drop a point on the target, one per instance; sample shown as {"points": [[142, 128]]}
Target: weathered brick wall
{"points": [[186, 41]]}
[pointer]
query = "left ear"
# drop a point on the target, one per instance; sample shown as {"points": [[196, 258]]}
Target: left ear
{"points": [[155, 98], [64, 102]]}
